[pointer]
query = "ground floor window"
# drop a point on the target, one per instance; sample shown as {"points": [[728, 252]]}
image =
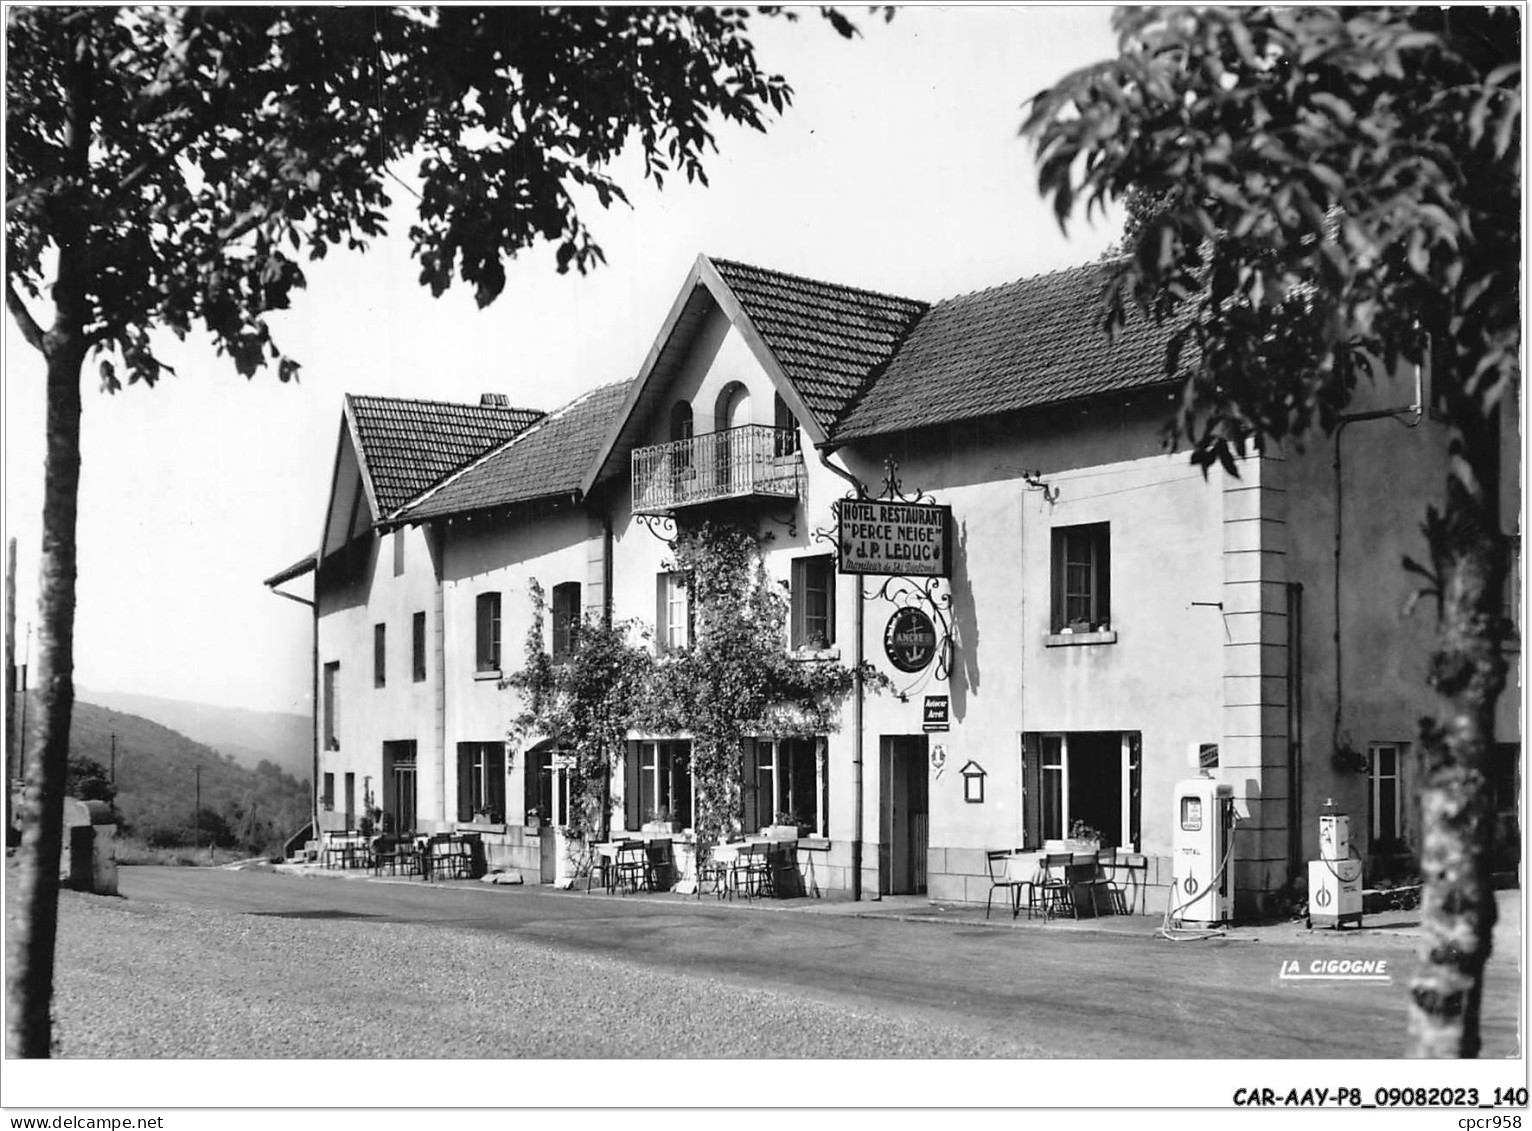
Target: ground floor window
{"points": [[659, 782], [791, 785], [1384, 761], [1081, 782], [481, 780], [546, 785]]}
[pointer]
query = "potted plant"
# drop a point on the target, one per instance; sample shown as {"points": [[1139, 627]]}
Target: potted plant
{"points": [[787, 826], [660, 821], [1082, 838]]}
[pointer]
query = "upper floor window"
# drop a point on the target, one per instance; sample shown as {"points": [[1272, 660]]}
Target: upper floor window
{"points": [[418, 646], [487, 624], [379, 655], [566, 618], [1082, 578], [786, 437], [331, 706], [672, 611], [813, 602], [398, 540], [680, 421]]}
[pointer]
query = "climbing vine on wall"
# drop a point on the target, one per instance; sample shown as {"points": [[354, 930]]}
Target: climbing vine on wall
{"points": [[584, 703], [736, 680]]}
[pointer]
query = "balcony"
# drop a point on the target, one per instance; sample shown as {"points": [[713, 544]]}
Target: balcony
{"points": [[754, 461]]}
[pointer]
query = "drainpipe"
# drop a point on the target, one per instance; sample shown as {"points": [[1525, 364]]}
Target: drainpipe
{"points": [[606, 567], [1294, 729], [313, 692], [857, 695]]}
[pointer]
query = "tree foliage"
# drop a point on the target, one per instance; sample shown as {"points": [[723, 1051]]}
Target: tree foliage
{"points": [[583, 705], [735, 678], [171, 167], [192, 158], [1322, 191]]}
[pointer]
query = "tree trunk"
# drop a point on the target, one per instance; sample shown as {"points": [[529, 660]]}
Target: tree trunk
{"points": [[1456, 805], [33, 926]]}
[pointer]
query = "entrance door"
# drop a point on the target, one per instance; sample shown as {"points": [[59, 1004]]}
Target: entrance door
{"points": [[399, 785], [904, 814]]}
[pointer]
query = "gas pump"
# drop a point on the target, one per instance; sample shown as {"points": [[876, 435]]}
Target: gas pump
{"points": [[1335, 879], [1202, 841]]}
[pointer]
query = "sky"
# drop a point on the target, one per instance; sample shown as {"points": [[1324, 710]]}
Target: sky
{"points": [[898, 167]]}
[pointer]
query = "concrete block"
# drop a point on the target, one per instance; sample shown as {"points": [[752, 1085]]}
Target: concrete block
{"points": [[936, 861], [1253, 500], [967, 861], [1254, 658], [1254, 565], [1254, 534], [1255, 595], [946, 888], [1263, 721], [1254, 690], [1255, 628]]}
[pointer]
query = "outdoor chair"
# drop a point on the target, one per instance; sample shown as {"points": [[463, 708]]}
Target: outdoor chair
{"points": [[750, 871], [1105, 883], [631, 859], [1001, 863], [659, 865], [1051, 889]]}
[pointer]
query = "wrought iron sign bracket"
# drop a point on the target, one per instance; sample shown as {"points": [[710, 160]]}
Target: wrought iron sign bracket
{"points": [[662, 526], [1034, 480]]}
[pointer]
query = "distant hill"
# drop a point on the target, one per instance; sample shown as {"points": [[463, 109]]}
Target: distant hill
{"points": [[157, 781], [250, 736]]}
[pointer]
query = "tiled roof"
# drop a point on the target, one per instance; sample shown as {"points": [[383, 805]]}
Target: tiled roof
{"points": [[408, 445], [1034, 342], [828, 338], [550, 458]]}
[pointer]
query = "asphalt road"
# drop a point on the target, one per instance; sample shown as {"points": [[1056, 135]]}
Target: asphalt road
{"points": [[1032, 992]]}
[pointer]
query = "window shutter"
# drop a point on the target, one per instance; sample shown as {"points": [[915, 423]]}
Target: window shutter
{"points": [[1058, 581], [495, 772], [749, 790], [828, 567], [484, 637], [532, 763], [1104, 575], [1032, 784], [465, 753], [1135, 788], [800, 600], [631, 800], [661, 626]]}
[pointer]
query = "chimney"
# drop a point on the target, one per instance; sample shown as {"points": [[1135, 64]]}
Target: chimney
{"points": [[494, 400]]}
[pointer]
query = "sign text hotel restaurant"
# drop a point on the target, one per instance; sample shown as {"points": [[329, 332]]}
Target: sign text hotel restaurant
{"points": [[895, 538]]}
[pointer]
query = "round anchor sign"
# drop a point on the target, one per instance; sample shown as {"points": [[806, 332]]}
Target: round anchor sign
{"points": [[910, 640]]}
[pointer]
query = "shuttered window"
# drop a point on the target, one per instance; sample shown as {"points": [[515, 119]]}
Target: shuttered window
{"points": [[379, 655], [813, 602], [1082, 577], [481, 780], [487, 614], [418, 646], [672, 612], [566, 618]]}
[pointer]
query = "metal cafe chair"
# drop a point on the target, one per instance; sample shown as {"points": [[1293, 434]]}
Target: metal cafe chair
{"points": [[1051, 889], [1105, 881], [630, 865], [750, 870], [1001, 875], [659, 865]]}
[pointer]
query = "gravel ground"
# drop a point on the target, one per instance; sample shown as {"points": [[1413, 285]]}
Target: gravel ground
{"points": [[141, 980]]}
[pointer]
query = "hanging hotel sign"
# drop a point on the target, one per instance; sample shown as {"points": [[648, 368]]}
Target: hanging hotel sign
{"points": [[910, 640], [878, 536]]}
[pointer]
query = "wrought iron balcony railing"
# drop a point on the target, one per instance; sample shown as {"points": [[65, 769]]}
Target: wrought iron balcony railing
{"points": [[736, 462]]}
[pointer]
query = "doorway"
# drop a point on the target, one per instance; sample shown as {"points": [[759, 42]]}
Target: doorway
{"points": [[903, 814], [399, 785]]}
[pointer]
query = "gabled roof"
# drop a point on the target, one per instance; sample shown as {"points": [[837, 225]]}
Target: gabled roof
{"points": [[548, 459], [407, 445], [828, 339], [1021, 345], [819, 343]]}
